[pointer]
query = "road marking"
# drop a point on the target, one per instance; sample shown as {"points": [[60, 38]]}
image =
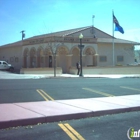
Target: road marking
{"points": [[130, 88], [72, 133], [98, 92], [44, 95]]}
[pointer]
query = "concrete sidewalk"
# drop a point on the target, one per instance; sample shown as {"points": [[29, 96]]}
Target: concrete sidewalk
{"points": [[7, 75], [29, 113]]}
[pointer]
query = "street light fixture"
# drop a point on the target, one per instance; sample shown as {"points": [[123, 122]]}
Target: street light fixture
{"points": [[81, 47], [23, 34]]}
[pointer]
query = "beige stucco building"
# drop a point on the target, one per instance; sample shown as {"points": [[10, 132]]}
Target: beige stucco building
{"points": [[38, 51]]}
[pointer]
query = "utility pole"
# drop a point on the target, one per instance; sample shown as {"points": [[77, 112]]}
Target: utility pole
{"points": [[23, 34]]}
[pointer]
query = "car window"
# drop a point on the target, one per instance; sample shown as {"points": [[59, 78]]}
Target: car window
{"points": [[4, 63]]}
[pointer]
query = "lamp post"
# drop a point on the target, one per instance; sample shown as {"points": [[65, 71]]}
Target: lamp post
{"points": [[54, 56], [81, 47]]}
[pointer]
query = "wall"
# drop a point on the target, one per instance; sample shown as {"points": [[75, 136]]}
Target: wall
{"points": [[108, 70], [124, 50], [40, 71], [12, 55]]}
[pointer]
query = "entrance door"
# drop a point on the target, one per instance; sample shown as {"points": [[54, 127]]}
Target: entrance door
{"points": [[50, 61]]}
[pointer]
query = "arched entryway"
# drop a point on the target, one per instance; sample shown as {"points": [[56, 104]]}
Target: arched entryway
{"points": [[62, 59], [33, 62], [25, 58], [90, 59], [48, 57], [40, 57], [75, 56]]}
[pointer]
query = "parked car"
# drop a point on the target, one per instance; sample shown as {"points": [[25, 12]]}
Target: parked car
{"points": [[6, 66]]}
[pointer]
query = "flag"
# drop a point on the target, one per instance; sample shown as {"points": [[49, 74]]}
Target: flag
{"points": [[117, 25]]}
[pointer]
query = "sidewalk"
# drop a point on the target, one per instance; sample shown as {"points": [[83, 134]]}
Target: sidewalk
{"points": [[7, 75], [29, 113]]}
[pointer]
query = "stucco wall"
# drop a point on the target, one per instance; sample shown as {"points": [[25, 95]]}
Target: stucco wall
{"points": [[12, 55], [124, 50]]}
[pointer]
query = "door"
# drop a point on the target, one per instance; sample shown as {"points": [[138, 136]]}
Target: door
{"points": [[50, 61]]}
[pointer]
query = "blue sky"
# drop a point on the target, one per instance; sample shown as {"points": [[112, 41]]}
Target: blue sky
{"points": [[45, 16]]}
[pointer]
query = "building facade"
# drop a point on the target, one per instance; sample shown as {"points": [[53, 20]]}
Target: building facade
{"points": [[61, 49]]}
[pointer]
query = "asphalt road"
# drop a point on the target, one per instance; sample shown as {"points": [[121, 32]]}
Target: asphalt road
{"points": [[109, 127], [31, 90]]}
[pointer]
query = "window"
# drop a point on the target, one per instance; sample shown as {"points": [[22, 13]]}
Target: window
{"points": [[4, 63], [119, 58], [103, 58]]}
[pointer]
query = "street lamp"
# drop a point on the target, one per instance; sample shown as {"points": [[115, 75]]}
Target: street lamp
{"points": [[54, 56], [81, 47]]}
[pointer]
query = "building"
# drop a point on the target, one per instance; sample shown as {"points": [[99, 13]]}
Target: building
{"points": [[61, 48], [137, 56]]}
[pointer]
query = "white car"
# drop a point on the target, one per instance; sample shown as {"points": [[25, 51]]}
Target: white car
{"points": [[6, 66]]}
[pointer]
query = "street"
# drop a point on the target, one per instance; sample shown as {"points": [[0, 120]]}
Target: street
{"points": [[109, 127], [29, 90], [112, 127]]}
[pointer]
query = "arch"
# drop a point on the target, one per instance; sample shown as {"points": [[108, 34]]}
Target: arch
{"points": [[62, 50], [33, 57], [90, 59], [47, 51], [62, 59], [40, 51], [40, 57], [89, 51], [75, 55], [26, 52], [48, 57], [25, 57], [71, 51], [33, 52]]}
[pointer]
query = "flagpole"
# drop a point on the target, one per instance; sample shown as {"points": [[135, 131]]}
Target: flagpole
{"points": [[113, 38]]}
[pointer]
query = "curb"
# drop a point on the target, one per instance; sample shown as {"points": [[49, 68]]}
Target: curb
{"points": [[45, 119]]}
